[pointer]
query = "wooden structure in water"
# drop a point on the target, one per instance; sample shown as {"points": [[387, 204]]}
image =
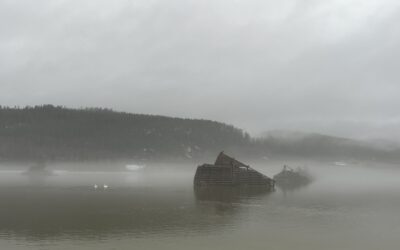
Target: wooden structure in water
{"points": [[226, 171], [291, 179]]}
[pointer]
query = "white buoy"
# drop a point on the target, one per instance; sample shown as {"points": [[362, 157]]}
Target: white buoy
{"points": [[95, 186]]}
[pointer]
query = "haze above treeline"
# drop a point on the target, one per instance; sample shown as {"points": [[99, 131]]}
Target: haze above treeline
{"points": [[329, 67], [55, 133]]}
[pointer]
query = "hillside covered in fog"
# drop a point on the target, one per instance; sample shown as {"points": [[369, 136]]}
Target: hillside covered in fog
{"points": [[319, 146], [57, 133], [60, 134]]}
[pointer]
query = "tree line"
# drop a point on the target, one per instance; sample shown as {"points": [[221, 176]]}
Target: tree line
{"points": [[58, 133]]}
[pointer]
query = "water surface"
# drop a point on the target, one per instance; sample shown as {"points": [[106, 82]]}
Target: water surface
{"points": [[346, 207]]}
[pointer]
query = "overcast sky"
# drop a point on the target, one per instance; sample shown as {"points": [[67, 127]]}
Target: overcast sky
{"points": [[328, 66]]}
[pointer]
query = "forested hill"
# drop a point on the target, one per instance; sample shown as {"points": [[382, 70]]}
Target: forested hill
{"points": [[49, 133], [318, 146], [57, 133]]}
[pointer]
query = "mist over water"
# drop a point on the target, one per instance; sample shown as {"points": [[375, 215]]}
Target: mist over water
{"points": [[346, 207], [94, 93]]}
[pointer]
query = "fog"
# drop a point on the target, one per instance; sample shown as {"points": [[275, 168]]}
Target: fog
{"points": [[317, 66], [156, 208], [73, 174]]}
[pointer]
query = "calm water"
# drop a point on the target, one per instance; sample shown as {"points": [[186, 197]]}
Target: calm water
{"points": [[351, 207]]}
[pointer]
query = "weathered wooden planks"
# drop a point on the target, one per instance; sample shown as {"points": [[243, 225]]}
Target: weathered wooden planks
{"points": [[230, 172]]}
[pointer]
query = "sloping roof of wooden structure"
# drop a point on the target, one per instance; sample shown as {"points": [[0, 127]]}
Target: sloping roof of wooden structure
{"points": [[231, 172], [224, 160]]}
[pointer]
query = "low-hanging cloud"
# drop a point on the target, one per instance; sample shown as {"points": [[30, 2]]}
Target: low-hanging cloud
{"points": [[323, 66]]}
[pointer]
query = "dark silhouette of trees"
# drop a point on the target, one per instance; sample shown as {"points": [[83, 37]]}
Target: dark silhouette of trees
{"points": [[55, 133], [58, 133]]}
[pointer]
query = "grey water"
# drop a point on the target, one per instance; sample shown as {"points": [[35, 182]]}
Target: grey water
{"points": [[346, 207]]}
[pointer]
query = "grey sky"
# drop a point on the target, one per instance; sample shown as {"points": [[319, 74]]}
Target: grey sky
{"points": [[326, 66]]}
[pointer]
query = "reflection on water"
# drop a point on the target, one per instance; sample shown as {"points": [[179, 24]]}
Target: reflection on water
{"points": [[83, 212], [163, 211], [44, 211], [38, 208], [229, 194], [292, 187], [226, 199], [41, 212]]}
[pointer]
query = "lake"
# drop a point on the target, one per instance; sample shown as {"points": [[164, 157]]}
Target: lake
{"points": [[346, 207]]}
